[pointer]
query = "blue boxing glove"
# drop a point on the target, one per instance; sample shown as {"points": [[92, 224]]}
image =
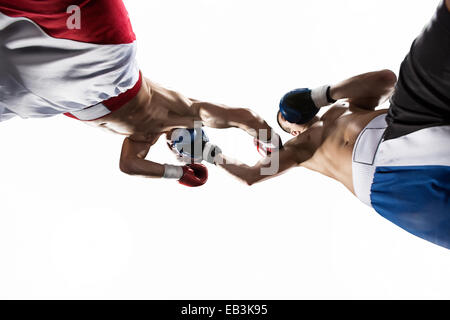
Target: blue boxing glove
{"points": [[301, 105], [193, 146]]}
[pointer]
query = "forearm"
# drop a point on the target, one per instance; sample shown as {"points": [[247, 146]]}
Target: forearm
{"points": [[133, 162], [366, 90], [244, 173], [142, 167], [220, 116], [268, 167]]}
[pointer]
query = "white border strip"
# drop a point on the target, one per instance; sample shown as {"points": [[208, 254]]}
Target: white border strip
{"points": [[429, 146], [92, 113]]}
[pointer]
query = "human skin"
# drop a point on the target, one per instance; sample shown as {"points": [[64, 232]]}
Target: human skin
{"points": [[156, 111], [326, 144]]}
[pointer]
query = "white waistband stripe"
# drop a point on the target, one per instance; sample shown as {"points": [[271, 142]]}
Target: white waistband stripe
{"points": [[429, 146], [364, 152], [91, 113]]}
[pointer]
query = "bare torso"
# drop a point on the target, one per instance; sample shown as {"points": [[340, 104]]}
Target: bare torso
{"points": [[327, 144], [337, 132], [154, 111]]}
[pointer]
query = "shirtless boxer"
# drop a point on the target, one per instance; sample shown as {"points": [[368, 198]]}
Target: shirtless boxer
{"points": [[395, 160], [77, 57]]}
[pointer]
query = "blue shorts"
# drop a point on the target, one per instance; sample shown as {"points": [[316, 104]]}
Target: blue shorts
{"points": [[401, 161]]}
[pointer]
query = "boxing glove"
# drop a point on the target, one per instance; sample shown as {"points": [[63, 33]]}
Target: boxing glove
{"points": [[267, 148], [191, 175], [193, 146], [211, 153], [301, 105]]}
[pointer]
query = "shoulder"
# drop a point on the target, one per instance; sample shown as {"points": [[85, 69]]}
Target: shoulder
{"points": [[335, 111], [303, 146]]}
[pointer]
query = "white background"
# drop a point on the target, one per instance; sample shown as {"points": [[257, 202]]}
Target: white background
{"points": [[73, 226]]}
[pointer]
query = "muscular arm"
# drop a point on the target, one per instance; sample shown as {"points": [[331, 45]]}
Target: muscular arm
{"points": [[132, 160], [295, 152], [367, 90], [158, 109], [212, 115], [220, 116]]}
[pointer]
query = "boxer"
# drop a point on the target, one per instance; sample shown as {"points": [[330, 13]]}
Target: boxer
{"points": [[395, 160], [77, 57]]}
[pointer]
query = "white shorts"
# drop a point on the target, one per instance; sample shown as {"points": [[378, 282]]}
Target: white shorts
{"points": [[406, 179], [50, 63]]}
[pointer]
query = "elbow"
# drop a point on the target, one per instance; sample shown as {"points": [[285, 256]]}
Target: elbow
{"points": [[248, 117], [247, 180], [126, 167], [252, 179], [388, 77]]}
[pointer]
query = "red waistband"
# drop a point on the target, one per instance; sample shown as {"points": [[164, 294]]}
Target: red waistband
{"points": [[114, 103]]}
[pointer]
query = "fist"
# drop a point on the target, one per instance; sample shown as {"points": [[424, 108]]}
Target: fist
{"points": [[267, 148], [194, 175]]}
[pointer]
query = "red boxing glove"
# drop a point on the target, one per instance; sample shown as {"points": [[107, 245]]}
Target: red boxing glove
{"points": [[267, 148], [194, 175]]}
